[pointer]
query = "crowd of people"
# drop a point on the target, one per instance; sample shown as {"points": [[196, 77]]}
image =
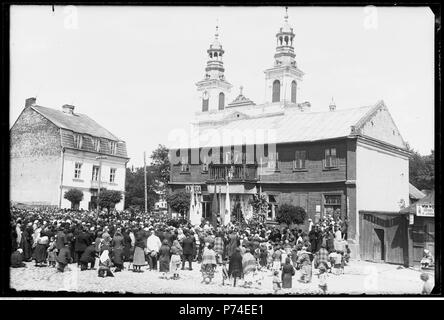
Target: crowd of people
{"points": [[56, 238]]}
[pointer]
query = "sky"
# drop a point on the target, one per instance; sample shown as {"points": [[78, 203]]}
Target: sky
{"points": [[134, 69]]}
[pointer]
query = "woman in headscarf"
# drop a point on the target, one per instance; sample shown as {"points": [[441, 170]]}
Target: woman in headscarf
{"points": [[117, 252], [287, 274], [263, 255], [219, 247], [26, 242], [104, 265], [164, 257], [248, 267], [304, 262], [235, 266], [40, 251], [233, 243], [176, 253], [209, 263], [126, 245], [139, 253]]}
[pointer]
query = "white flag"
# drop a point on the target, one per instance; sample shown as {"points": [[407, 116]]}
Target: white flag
{"points": [[227, 207]]}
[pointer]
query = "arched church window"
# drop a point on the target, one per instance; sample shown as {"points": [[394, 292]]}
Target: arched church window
{"points": [[204, 104], [286, 40], [293, 91], [221, 101], [276, 91], [211, 55], [215, 54], [280, 40]]}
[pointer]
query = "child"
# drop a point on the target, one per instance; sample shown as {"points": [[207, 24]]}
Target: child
{"points": [[270, 253], [427, 287], [104, 265], [277, 259], [276, 282], [323, 278], [52, 251], [224, 272], [64, 257]]}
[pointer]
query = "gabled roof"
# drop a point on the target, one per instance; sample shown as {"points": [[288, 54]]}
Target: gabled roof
{"points": [[76, 122], [414, 193], [292, 125], [428, 200]]}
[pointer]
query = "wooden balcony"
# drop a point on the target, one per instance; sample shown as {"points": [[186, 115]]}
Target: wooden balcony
{"points": [[240, 172]]}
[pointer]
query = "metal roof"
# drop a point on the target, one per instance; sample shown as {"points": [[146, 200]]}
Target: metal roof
{"points": [[292, 125], [76, 122]]}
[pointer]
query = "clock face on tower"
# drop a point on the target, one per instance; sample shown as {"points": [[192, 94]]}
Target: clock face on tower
{"points": [[205, 95]]}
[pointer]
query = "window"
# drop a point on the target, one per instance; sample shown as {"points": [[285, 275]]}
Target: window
{"points": [[113, 147], [239, 157], [299, 162], [273, 161], [95, 173], [204, 105], [112, 175], [276, 97], [205, 164], [330, 160], [77, 170], [184, 166], [78, 140], [293, 91], [228, 157], [96, 144], [221, 101]]}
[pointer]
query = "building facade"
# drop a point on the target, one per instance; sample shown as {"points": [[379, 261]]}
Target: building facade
{"points": [[53, 151], [350, 162]]}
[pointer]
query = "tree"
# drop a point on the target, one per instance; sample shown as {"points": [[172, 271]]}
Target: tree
{"points": [[135, 189], [109, 198], [422, 170], [289, 214], [179, 201], [74, 196], [160, 166]]}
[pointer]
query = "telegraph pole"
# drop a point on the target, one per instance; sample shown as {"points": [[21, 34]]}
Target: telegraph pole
{"points": [[100, 158], [144, 175]]}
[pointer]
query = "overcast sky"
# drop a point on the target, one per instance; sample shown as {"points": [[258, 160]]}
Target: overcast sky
{"points": [[134, 69]]}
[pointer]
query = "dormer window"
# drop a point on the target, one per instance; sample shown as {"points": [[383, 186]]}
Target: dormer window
{"points": [[78, 139], [113, 147], [96, 144], [184, 166]]}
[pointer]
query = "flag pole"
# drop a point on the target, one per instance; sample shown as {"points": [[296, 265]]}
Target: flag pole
{"points": [[145, 186]]}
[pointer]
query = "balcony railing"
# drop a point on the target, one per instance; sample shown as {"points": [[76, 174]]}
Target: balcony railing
{"points": [[240, 172]]}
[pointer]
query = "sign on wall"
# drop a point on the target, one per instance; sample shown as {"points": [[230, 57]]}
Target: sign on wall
{"points": [[425, 210], [196, 188]]}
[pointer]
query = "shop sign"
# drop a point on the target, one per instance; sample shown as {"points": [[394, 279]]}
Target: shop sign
{"points": [[196, 188], [425, 210], [411, 218]]}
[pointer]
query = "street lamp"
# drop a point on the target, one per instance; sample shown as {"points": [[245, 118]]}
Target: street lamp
{"points": [[100, 158]]}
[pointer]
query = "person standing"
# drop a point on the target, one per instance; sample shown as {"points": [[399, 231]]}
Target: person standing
{"points": [[176, 253], [164, 258], [139, 251], [117, 252], [287, 274], [208, 263], [249, 266], [188, 247], [83, 240], [219, 247], [235, 266], [153, 245], [233, 243]]}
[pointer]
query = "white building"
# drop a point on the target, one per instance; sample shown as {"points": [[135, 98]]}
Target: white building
{"points": [[53, 151]]}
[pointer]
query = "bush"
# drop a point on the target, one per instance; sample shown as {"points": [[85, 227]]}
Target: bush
{"points": [[289, 214], [74, 196], [109, 198], [179, 201]]}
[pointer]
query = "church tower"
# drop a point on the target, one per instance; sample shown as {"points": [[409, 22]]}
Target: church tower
{"points": [[214, 88], [281, 81]]}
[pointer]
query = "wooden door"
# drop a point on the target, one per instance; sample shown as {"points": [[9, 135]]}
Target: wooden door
{"points": [[378, 245]]}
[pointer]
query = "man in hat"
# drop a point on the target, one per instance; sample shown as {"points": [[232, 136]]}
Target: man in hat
{"points": [[153, 245]]}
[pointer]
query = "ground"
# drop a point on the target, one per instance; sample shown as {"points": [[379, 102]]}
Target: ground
{"points": [[359, 277]]}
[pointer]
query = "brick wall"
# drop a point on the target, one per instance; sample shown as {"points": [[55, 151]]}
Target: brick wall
{"points": [[35, 159]]}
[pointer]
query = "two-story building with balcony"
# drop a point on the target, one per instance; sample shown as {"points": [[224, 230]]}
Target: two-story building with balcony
{"points": [[351, 162], [53, 151]]}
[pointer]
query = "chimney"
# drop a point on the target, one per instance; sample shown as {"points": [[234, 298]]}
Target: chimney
{"points": [[30, 102], [68, 109]]}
